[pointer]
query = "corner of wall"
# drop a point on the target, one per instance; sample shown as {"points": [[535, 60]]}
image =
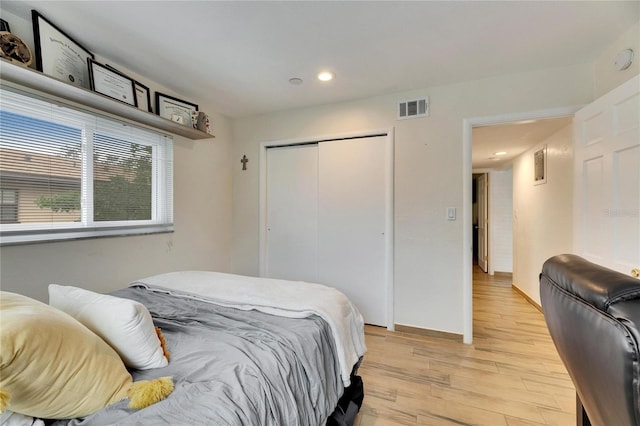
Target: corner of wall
{"points": [[605, 77]]}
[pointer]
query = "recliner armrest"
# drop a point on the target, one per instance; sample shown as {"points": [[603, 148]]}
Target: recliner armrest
{"points": [[593, 317], [599, 286], [628, 313]]}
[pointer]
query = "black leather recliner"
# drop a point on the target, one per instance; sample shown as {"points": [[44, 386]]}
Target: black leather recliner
{"points": [[593, 316]]}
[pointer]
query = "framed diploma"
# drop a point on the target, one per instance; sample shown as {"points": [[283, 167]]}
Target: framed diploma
{"points": [[111, 83], [58, 55], [175, 109], [143, 95]]}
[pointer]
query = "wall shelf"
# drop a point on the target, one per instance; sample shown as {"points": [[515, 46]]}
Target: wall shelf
{"points": [[26, 78]]}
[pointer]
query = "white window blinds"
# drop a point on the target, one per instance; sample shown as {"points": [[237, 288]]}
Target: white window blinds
{"points": [[67, 173]]}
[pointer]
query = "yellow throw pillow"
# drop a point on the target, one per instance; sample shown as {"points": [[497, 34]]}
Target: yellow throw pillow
{"points": [[52, 366]]}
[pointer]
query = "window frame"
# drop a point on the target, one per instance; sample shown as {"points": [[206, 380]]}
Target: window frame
{"points": [[161, 220]]}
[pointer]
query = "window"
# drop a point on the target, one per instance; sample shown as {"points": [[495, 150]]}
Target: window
{"points": [[67, 173], [8, 206]]}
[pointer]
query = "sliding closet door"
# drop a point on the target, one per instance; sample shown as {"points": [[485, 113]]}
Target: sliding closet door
{"points": [[351, 222], [292, 213]]}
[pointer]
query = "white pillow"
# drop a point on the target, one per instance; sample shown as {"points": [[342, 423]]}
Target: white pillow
{"points": [[126, 325]]}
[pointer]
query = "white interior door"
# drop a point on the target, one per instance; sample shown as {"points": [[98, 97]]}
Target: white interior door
{"points": [[607, 179], [292, 213], [481, 194], [352, 218]]}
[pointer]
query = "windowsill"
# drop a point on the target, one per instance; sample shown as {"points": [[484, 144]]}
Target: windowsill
{"points": [[14, 239], [35, 81]]}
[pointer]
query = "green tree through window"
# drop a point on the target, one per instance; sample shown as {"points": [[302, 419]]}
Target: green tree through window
{"points": [[126, 195]]}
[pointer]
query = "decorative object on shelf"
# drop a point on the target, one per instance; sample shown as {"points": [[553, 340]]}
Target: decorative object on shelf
{"points": [[143, 94], [175, 109], [200, 121], [244, 162], [58, 55], [12, 48], [112, 83]]}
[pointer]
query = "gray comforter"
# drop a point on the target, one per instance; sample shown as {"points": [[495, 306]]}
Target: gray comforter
{"points": [[234, 367]]}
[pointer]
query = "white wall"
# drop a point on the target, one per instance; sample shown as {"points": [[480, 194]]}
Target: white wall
{"points": [[531, 209], [202, 222], [606, 78], [542, 214], [428, 176], [501, 221]]}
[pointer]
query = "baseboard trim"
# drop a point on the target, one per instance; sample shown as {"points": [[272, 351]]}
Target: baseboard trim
{"points": [[526, 297], [429, 333]]}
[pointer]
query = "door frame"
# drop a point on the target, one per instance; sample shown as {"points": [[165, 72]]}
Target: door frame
{"points": [[467, 218], [389, 201]]}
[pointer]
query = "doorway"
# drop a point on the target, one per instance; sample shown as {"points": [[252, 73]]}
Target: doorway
{"points": [[467, 207]]}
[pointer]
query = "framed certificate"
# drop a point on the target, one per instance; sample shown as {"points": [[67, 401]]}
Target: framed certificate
{"points": [[58, 55], [111, 83], [175, 109], [143, 95]]}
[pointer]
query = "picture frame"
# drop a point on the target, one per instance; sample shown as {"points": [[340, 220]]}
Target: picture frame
{"points": [[540, 166], [143, 94], [58, 55], [110, 82], [175, 109]]}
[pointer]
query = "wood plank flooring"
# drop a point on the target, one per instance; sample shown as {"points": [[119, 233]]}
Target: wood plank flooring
{"points": [[511, 374]]}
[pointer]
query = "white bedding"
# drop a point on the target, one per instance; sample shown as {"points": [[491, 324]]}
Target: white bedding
{"points": [[8, 418], [293, 299]]}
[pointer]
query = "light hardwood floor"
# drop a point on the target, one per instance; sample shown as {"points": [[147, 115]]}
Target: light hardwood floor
{"points": [[510, 375]]}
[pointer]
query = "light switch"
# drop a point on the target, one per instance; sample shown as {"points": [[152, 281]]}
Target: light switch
{"points": [[451, 213]]}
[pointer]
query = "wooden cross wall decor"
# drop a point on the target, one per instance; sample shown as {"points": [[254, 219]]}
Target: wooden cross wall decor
{"points": [[244, 162]]}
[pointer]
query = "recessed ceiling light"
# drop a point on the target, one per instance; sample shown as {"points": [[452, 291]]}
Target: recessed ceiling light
{"points": [[326, 76], [295, 81], [500, 153]]}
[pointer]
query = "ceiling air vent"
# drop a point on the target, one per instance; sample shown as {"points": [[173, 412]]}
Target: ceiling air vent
{"points": [[413, 109]]}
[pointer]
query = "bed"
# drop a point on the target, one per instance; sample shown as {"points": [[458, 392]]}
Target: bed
{"points": [[246, 351]]}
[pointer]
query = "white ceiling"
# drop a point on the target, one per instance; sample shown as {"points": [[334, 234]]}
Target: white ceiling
{"points": [[239, 55], [514, 139]]}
